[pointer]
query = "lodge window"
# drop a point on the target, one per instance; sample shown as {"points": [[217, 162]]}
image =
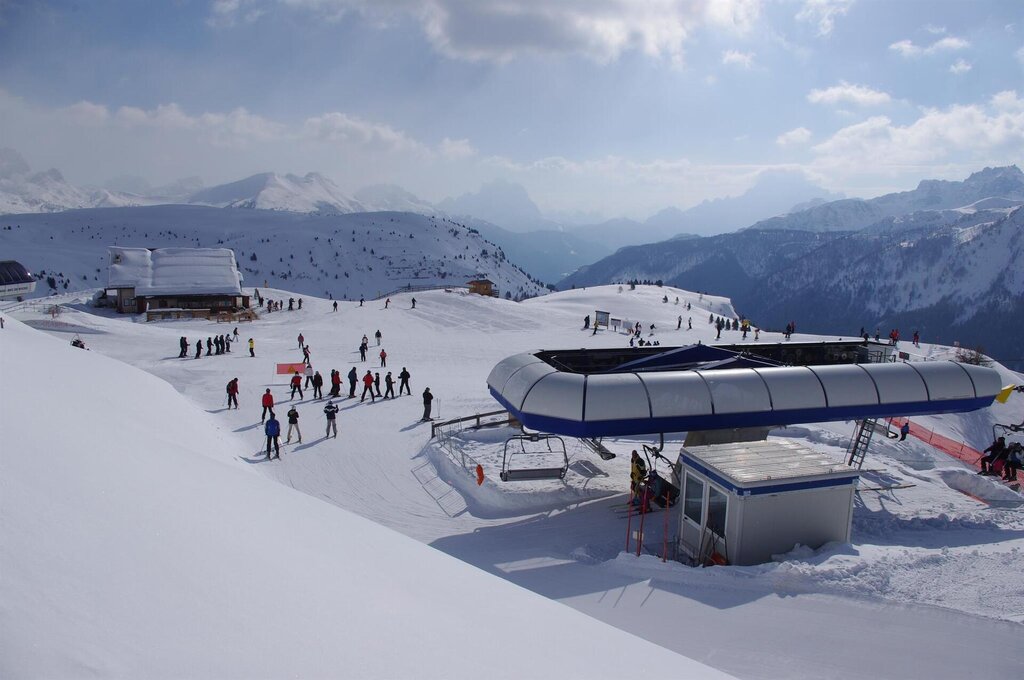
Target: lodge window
{"points": [[716, 511], [693, 499]]}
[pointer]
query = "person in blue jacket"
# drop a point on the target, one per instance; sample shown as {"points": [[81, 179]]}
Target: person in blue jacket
{"points": [[273, 431], [904, 430]]}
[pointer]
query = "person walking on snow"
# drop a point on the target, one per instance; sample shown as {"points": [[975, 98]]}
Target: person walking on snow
{"points": [[318, 384], [367, 387], [305, 355], [293, 422], [331, 412], [353, 378], [236, 334], [199, 348], [209, 346], [383, 359], [296, 385], [428, 398], [183, 346], [233, 393], [389, 384], [378, 336], [252, 347], [268, 404], [403, 382], [273, 431]]}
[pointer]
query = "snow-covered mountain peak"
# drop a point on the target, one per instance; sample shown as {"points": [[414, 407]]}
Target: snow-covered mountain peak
{"points": [[312, 193]]}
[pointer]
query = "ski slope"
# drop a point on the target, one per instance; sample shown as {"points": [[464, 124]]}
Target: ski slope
{"points": [[930, 568]]}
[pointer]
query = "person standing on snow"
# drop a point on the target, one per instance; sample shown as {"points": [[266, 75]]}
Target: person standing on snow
{"points": [[362, 351], [296, 385], [302, 341], [308, 373], [293, 422], [378, 336], [199, 348], [335, 383], [233, 393], [353, 378], [236, 334], [376, 383], [318, 384], [637, 475], [335, 305], [414, 303], [273, 431], [367, 387], [383, 359], [331, 412], [389, 384], [209, 346], [183, 347], [268, 404], [403, 382], [252, 347], [679, 322], [305, 355], [904, 430], [428, 399]]}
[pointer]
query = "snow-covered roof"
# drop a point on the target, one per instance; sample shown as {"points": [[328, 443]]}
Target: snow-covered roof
{"points": [[750, 464], [174, 271]]}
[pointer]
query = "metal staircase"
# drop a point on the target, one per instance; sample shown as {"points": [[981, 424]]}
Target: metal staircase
{"points": [[597, 447], [860, 442]]}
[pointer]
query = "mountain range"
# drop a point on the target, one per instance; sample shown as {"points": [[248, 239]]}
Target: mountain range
{"points": [[948, 265]]}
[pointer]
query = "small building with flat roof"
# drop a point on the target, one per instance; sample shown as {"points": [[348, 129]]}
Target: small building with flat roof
{"points": [[746, 501]]}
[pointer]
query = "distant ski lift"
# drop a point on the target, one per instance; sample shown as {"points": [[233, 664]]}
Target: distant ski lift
{"points": [[511, 474]]}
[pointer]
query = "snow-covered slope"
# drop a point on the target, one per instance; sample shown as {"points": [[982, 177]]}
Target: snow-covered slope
{"points": [[393, 198], [312, 193], [126, 551], [344, 256]]}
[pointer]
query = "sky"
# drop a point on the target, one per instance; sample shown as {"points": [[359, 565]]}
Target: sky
{"points": [[602, 107]]}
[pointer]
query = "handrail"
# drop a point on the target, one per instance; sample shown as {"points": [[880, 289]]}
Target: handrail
{"points": [[434, 427]]}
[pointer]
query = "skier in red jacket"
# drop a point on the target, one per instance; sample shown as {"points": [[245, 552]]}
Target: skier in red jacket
{"points": [[296, 385], [233, 393], [268, 404], [368, 387]]}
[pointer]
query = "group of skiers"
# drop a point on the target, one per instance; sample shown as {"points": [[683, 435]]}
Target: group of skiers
{"points": [[219, 344], [1003, 459]]}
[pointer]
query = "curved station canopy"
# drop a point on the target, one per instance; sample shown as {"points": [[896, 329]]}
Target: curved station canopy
{"points": [[595, 393]]}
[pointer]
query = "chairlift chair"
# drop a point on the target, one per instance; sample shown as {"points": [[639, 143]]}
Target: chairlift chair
{"points": [[511, 474]]}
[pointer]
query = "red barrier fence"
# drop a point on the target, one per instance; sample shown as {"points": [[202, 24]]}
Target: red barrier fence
{"points": [[956, 449], [289, 369]]}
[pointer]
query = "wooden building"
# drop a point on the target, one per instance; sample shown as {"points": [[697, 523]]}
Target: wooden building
{"points": [[482, 287], [186, 281]]}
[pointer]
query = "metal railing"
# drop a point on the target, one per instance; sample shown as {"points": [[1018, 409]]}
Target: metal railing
{"points": [[444, 432]]}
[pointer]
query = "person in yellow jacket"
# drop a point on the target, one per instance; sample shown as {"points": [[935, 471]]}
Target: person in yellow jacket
{"points": [[637, 475]]}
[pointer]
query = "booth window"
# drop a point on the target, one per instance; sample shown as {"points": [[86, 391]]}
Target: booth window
{"points": [[716, 511], [693, 499]]}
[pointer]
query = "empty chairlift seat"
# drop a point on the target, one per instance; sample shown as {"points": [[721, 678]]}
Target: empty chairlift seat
{"points": [[554, 457]]}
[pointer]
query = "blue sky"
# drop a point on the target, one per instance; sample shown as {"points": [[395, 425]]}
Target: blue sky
{"points": [[621, 107]]}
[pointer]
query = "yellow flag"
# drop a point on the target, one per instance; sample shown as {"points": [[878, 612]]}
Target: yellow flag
{"points": [[1005, 393]]}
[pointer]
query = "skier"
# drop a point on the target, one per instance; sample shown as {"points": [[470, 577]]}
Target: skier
{"points": [[296, 385], [268, 404], [335, 305], [1014, 461], [414, 303], [689, 324], [367, 387], [383, 359], [904, 430], [996, 452], [302, 341], [291, 304], [360, 300], [586, 322], [227, 344], [293, 421], [389, 383], [183, 346], [305, 355], [308, 373], [387, 302], [335, 383], [679, 322], [331, 412], [273, 431], [353, 377], [199, 348], [252, 347], [637, 474], [236, 333], [427, 399], [318, 384], [378, 336], [362, 351], [209, 346], [376, 383], [403, 382], [917, 339], [233, 393], [300, 303]]}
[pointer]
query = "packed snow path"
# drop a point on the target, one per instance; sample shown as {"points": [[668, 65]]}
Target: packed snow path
{"points": [[794, 619]]}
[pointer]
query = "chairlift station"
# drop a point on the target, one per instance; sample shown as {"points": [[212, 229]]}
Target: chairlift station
{"points": [[745, 497]]}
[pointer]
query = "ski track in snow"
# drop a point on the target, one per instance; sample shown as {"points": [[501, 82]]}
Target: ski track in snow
{"points": [[928, 545]]}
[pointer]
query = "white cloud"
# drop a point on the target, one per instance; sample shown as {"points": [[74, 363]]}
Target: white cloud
{"points": [[342, 128], [950, 43], [456, 149], [87, 113], [737, 58], [860, 95], [935, 30], [823, 13], [993, 129], [796, 137], [740, 16], [960, 66]]}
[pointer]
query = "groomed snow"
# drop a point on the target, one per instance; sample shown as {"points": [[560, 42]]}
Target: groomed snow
{"points": [[927, 589], [127, 551]]}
